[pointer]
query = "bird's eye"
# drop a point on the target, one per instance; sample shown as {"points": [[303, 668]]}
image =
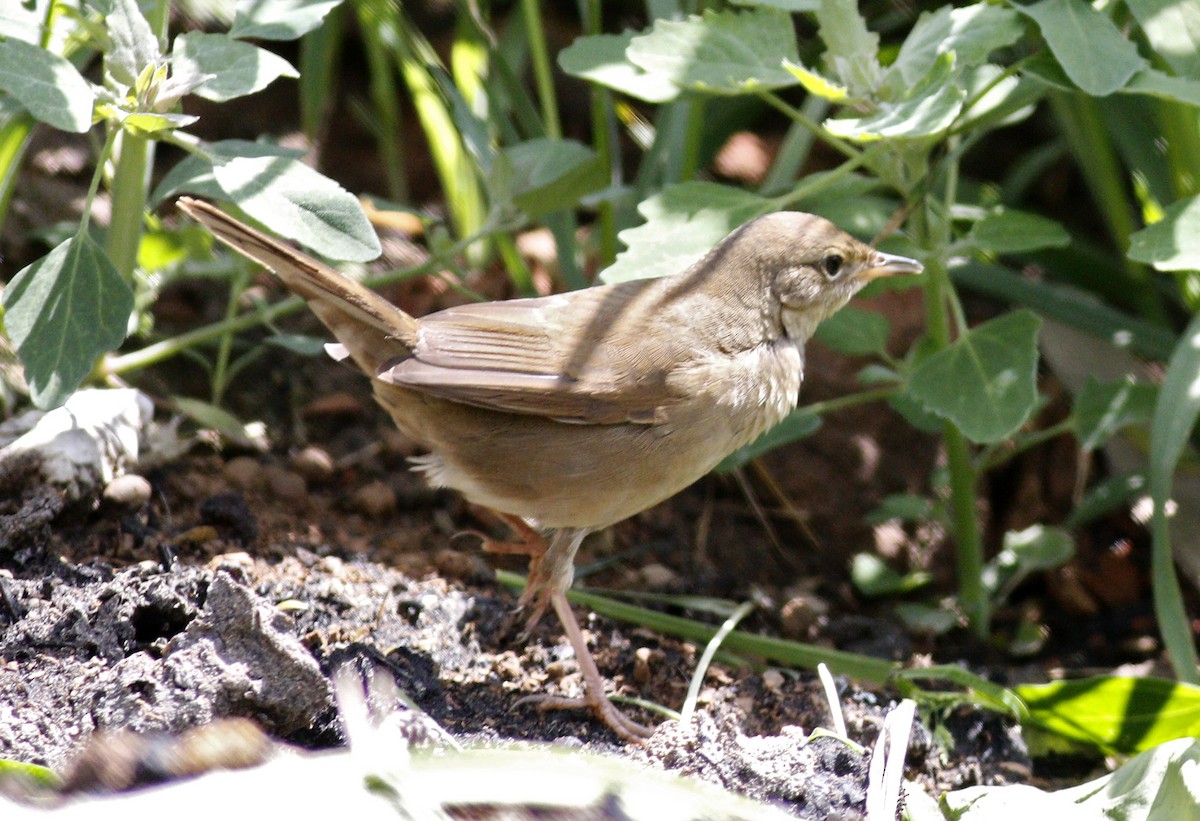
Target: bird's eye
{"points": [[832, 265]]}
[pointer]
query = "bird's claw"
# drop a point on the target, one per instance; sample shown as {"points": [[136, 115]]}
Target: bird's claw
{"points": [[608, 713]]}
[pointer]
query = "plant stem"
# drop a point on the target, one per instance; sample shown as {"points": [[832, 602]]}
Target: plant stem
{"points": [[851, 400], [129, 185], [543, 77], [604, 139], [963, 478]]}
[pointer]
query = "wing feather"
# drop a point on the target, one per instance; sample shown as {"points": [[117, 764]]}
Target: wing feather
{"points": [[557, 357]]}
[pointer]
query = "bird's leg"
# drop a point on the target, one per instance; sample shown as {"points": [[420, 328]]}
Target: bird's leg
{"points": [[529, 542], [593, 684], [551, 568]]}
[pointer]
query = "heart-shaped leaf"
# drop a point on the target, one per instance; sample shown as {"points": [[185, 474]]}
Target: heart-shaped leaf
{"points": [[985, 382]]}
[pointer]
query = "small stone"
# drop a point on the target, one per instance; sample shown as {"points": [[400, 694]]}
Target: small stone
{"points": [[657, 576], [290, 488], [376, 500], [128, 492], [641, 664], [773, 680], [800, 614], [245, 473], [313, 463]]}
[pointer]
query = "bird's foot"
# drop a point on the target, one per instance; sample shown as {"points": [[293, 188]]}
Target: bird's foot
{"points": [[593, 698], [608, 713]]}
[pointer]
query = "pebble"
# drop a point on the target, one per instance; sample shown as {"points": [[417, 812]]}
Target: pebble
{"points": [[658, 576], [773, 680], [128, 492], [376, 500], [641, 664], [290, 488], [457, 564], [245, 473], [800, 614], [313, 463]]}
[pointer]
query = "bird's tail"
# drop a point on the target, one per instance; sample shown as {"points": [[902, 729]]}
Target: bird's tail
{"points": [[373, 330]]}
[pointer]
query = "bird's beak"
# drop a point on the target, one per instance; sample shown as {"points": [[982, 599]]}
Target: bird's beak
{"points": [[886, 265]]}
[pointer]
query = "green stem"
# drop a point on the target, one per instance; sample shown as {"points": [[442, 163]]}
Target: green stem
{"points": [[1081, 121], [14, 140], [129, 188], [965, 522], [220, 375], [131, 181], [384, 100], [543, 76], [963, 478], [851, 400], [604, 138], [799, 116], [994, 457], [796, 147]]}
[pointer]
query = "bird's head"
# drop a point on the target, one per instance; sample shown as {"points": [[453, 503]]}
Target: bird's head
{"points": [[812, 267]]}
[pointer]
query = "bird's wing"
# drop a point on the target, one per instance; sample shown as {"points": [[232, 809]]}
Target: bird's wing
{"points": [[560, 357]]}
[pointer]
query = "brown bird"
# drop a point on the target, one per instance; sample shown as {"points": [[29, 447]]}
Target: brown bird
{"points": [[566, 414]]}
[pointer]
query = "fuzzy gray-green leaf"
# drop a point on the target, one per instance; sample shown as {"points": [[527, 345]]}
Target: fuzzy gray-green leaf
{"points": [[64, 311], [721, 52], [47, 85], [1088, 46]]}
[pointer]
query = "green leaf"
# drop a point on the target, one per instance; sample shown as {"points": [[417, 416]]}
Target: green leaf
{"points": [[721, 52], [279, 19], [1156, 83], [236, 68], [783, 5], [15, 771], [1006, 231], [872, 577], [1173, 29], [797, 425], [683, 223], [1024, 552], [64, 311], [985, 382], [929, 109], [851, 49], [854, 332], [1103, 408], [601, 59], [1119, 715], [1088, 46], [292, 199], [194, 173], [907, 507], [1069, 305], [1172, 243], [134, 46], [552, 175], [1108, 495], [814, 83], [972, 33], [1174, 417], [1157, 784], [47, 85]]}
